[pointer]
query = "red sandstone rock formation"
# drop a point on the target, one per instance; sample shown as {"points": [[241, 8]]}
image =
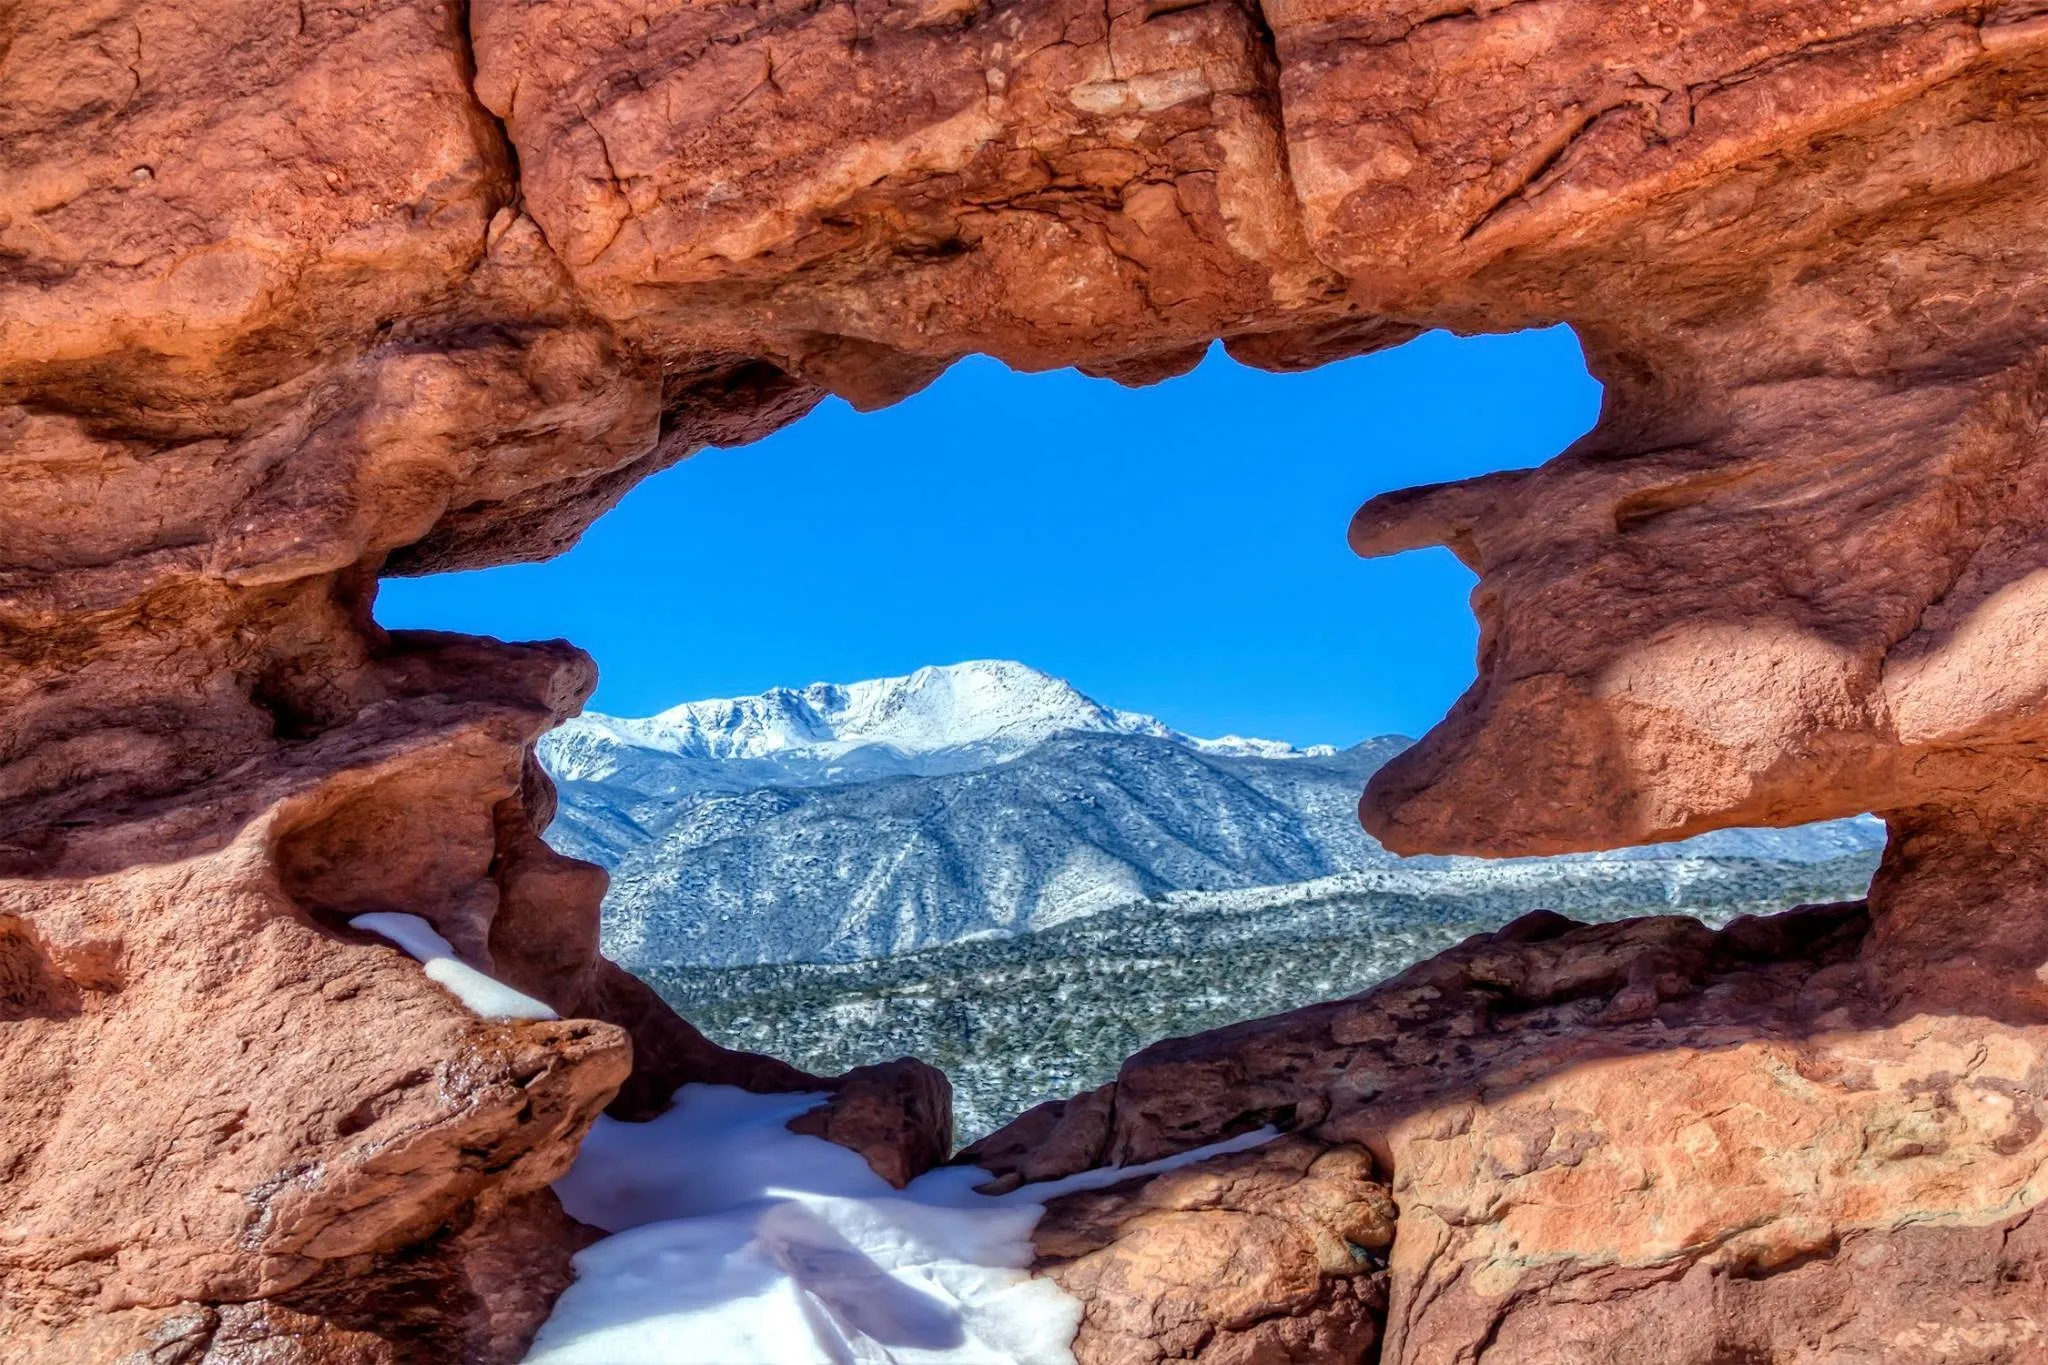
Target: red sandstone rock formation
{"points": [[291, 298], [1644, 1141], [1277, 1253]]}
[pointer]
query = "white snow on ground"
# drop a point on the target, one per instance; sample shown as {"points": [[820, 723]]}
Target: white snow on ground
{"points": [[490, 998], [738, 1242]]}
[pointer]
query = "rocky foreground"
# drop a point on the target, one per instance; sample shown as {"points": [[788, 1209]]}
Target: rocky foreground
{"points": [[1642, 1141], [292, 298]]}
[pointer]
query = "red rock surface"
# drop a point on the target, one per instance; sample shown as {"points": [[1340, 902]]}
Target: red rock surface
{"points": [[295, 297], [1628, 1142], [1273, 1254]]}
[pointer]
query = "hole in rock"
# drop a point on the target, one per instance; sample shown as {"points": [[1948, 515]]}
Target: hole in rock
{"points": [[1029, 865], [418, 838]]}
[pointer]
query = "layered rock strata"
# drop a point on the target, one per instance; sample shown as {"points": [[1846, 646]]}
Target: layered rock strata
{"points": [[293, 298]]}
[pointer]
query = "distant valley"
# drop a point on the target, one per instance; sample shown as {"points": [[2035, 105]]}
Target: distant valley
{"points": [[980, 865]]}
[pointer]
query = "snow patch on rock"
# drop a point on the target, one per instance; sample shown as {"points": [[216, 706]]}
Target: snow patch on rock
{"points": [[482, 995]]}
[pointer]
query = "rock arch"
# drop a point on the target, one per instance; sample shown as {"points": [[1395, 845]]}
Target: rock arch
{"points": [[291, 300]]}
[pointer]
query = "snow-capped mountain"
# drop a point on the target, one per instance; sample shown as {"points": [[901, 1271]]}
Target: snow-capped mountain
{"points": [[948, 718], [840, 822]]}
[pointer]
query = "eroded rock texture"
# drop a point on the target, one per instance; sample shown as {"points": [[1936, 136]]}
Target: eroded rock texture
{"points": [[1629, 1142], [1277, 1253], [295, 297]]}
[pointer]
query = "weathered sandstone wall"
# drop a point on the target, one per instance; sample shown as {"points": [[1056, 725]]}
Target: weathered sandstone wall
{"points": [[293, 297]]}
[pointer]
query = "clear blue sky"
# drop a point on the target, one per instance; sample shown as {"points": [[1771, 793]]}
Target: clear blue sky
{"points": [[1177, 550]]}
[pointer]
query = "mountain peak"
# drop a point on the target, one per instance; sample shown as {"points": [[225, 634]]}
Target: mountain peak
{"points": [[980, 710], [982, 702]]}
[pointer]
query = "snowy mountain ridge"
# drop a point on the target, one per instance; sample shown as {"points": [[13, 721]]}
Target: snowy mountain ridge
{"points": [[976, 800], [939, 718]]}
